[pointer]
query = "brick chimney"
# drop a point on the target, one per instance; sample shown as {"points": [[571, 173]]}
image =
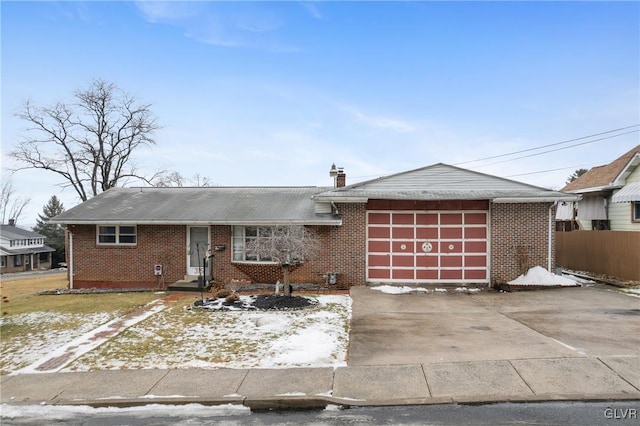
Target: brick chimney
{"points": [[338, 175], [341, 178]]}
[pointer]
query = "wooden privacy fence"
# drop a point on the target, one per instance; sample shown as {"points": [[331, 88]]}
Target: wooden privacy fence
{"points": [[613, 253]]}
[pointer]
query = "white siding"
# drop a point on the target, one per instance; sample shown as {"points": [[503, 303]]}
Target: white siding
{"points": [[620, 213]]}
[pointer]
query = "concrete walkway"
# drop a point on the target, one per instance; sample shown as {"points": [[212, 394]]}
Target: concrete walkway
{"points": [[574, 344], [549, 379]]}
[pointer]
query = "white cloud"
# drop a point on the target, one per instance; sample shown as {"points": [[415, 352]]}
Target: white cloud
{"points": [[313, 9], [226, 24], [168, 11], [380, 122]]}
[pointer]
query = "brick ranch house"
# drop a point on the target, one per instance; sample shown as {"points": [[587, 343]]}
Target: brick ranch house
{"points": [[434, 225]]}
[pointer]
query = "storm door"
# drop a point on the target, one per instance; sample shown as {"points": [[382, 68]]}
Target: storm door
{"points": [[197, 246]]}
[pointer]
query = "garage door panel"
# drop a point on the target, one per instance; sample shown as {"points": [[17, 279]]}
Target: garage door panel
{"points": [[450, 247], [402, 233], [379, 274], [451, 274], [427, 233], [451, 261], [475, 247], [379, 218], [407, 261], [427, 274], [475, 261], [451, 233], [427, 261], [475, 274], [451, 219], [402, 274], [379, 232], [426, 219], [403, 219], [403, 246], [379, 246], [379, 260], [475, 233], [475, 218]]}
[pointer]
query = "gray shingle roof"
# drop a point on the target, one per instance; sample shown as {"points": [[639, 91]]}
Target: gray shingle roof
{"points": [[211, 205], [12, 232], [443, 182]]}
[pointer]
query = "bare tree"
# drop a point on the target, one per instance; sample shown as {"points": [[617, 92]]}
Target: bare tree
{"points": [[11, 206], [90, 142], [285, 245], [175, 179]]}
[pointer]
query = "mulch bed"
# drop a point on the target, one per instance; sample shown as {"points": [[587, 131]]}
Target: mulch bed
{"points": [[262, 302]]}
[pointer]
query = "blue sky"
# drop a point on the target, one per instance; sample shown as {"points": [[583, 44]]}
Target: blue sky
{"points": [[274, 93]]}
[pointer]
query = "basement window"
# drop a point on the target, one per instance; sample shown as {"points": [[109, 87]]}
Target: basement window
{"points": [[117, 235]]}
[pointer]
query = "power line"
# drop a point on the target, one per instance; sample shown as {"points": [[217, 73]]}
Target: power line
{"points": [[557, 149], [553, 144]]}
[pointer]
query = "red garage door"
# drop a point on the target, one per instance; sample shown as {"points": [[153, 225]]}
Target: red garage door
{"points": [[427, 246]]}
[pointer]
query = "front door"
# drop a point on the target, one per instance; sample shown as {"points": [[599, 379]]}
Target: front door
{"points": [[197, 246]]}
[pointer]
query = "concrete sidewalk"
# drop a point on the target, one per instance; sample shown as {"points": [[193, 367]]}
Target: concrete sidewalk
{"points": [[548, 379]]}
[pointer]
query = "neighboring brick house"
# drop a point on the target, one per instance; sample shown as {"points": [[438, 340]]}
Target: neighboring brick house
{"points": [[438, 224], [22, 250], [610, 195]]}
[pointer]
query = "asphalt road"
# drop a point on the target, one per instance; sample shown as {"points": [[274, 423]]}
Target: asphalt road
{"points": [[554, 413]]}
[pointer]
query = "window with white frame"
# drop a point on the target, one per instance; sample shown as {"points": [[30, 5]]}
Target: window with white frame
{"points": [[242, 235], [117, 235], [635, 211]]}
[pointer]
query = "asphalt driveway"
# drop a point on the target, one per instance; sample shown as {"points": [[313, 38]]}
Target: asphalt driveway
{"points": [[419, 328]]}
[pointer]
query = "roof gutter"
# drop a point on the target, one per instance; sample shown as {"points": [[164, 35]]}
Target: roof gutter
{"points": [[536, 199], [200, 222], [346, 199]]}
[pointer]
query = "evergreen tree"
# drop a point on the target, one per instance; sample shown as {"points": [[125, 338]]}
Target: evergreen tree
{"points": [[53, 233], [575, 175]]}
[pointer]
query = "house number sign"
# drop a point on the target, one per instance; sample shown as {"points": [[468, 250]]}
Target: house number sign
{"points": [[427, 247]]}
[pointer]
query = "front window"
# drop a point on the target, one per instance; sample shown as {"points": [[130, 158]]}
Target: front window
{"points": [[117, 234], [243, 235], [17, 260], [3, 261], [635, 212]]}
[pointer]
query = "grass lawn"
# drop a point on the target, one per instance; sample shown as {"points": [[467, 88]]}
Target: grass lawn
{"points": [[179, 336], [31, 324]]}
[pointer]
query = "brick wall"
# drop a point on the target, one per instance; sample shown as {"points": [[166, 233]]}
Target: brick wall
{"points": [[519, 236], [127, 267], [342, 250], [519, 239]]}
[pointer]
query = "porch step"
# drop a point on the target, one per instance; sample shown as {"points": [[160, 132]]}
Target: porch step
{"points": [[184, 285]]}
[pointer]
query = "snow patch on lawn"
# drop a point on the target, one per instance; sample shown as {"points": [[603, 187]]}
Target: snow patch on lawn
{"points": [[54, 330], [179, 338], [539, 276]]}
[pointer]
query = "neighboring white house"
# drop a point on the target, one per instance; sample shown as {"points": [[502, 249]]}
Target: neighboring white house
{"points": [[22, 250], [610, 195]]}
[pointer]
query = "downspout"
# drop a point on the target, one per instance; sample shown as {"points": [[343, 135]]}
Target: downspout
{"points": [[550, 237], [335, 207], [70, 260]]}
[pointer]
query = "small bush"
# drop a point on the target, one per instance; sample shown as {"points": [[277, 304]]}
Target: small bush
{"points": [[223, 293], [232, 298]]}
